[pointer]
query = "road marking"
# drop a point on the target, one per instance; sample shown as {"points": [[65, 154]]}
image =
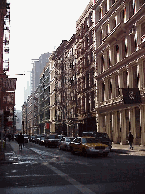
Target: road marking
{"points": [[41, 175], [57, 157], [75, 183]]}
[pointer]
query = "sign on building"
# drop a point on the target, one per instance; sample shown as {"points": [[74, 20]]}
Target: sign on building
{"points": [[9, 98], [131, 95], [8, 84]]}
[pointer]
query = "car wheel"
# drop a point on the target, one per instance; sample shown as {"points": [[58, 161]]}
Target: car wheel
{"points": [[84, 152], [105, 154], [66, 148], [72, 151]]}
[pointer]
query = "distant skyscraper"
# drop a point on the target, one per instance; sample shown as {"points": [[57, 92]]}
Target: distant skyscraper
{"points": [[37, 69], [28, 89], [18, 120]]}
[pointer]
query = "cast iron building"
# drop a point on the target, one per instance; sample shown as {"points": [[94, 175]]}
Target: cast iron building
{"points": [[60, 87], [85, 70], [71, 86], [120, 63], [44, 100]]}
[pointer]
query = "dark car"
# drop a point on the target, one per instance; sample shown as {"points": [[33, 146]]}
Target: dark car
{"points": [[16, 137], [65, 143], [37, 138], [41, 141], [51, 140], [60, 137], [26, 138], [104, 138], [32, 137]]}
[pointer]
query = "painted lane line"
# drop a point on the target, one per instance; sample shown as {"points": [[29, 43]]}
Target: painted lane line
{"points": [[75, 183], [44, 153]]}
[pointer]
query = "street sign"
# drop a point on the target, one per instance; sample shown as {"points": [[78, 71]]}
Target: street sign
{"points": [[10, 108], [8, 84], [9, 98]]}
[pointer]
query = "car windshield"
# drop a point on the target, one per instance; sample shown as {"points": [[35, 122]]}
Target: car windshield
{"points": [[89, 140], [71, 138], [102, 135], [53, 137], [42, 138]]}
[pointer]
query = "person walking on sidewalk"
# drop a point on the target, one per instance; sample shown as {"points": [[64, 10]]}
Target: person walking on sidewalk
{"points": [[20, 140], [130, 139]]}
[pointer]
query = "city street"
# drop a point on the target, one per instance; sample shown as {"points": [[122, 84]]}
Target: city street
{"points": [[37, 169]]}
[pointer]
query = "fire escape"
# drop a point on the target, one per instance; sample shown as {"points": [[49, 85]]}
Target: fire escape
{"points": [[6, 38]]}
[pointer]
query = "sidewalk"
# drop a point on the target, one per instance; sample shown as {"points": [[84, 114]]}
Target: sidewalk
{"points": [[137, 149], [10, 151]]}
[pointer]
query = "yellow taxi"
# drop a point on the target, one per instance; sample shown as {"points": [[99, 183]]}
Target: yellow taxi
{"points": [[88, 145]]}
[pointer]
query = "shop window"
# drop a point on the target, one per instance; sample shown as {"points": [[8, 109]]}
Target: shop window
{"points": [[102, 64], [103, 91], [126, 48], [143, 32], [117, 52], [114, 23], [135, 82], [92, 100], [131, 8], [110, 90], [100, 37], [122, 16]]}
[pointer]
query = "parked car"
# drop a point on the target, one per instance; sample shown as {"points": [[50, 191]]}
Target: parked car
{"points": [[37, 138], [60, 137], [26, 137], [65, 143], [104, 138], [88, 145], [16, 137], [100, 136], [32, 137], [41, 141], [51, 140]]}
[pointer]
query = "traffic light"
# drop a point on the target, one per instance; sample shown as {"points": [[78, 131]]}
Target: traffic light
{"points": [[6, 115]]}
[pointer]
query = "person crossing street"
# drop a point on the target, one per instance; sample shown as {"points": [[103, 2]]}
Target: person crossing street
{"points": [[20, 140], [130, 139]]}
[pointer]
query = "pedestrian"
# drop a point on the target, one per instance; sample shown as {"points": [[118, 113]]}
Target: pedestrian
{"points": [[130, 139], [9, 137], [20, 140]]}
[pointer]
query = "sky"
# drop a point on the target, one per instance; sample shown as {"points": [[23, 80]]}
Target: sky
{"points": [[38, 27]]}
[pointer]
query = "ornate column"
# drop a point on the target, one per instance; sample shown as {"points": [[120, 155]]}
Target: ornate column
{"points": [[143, 125], [108, 125], [100, 122], [124, 126], [116, 127], [135, 124]]}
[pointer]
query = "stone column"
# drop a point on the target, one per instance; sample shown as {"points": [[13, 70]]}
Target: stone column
{"points": [[108, 125], [135, 124], [124, 126], [116, 127], [143, 125], [100, 122]]}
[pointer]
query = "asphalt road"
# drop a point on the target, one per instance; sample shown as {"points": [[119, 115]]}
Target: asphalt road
{"points": [[48, 170]]}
